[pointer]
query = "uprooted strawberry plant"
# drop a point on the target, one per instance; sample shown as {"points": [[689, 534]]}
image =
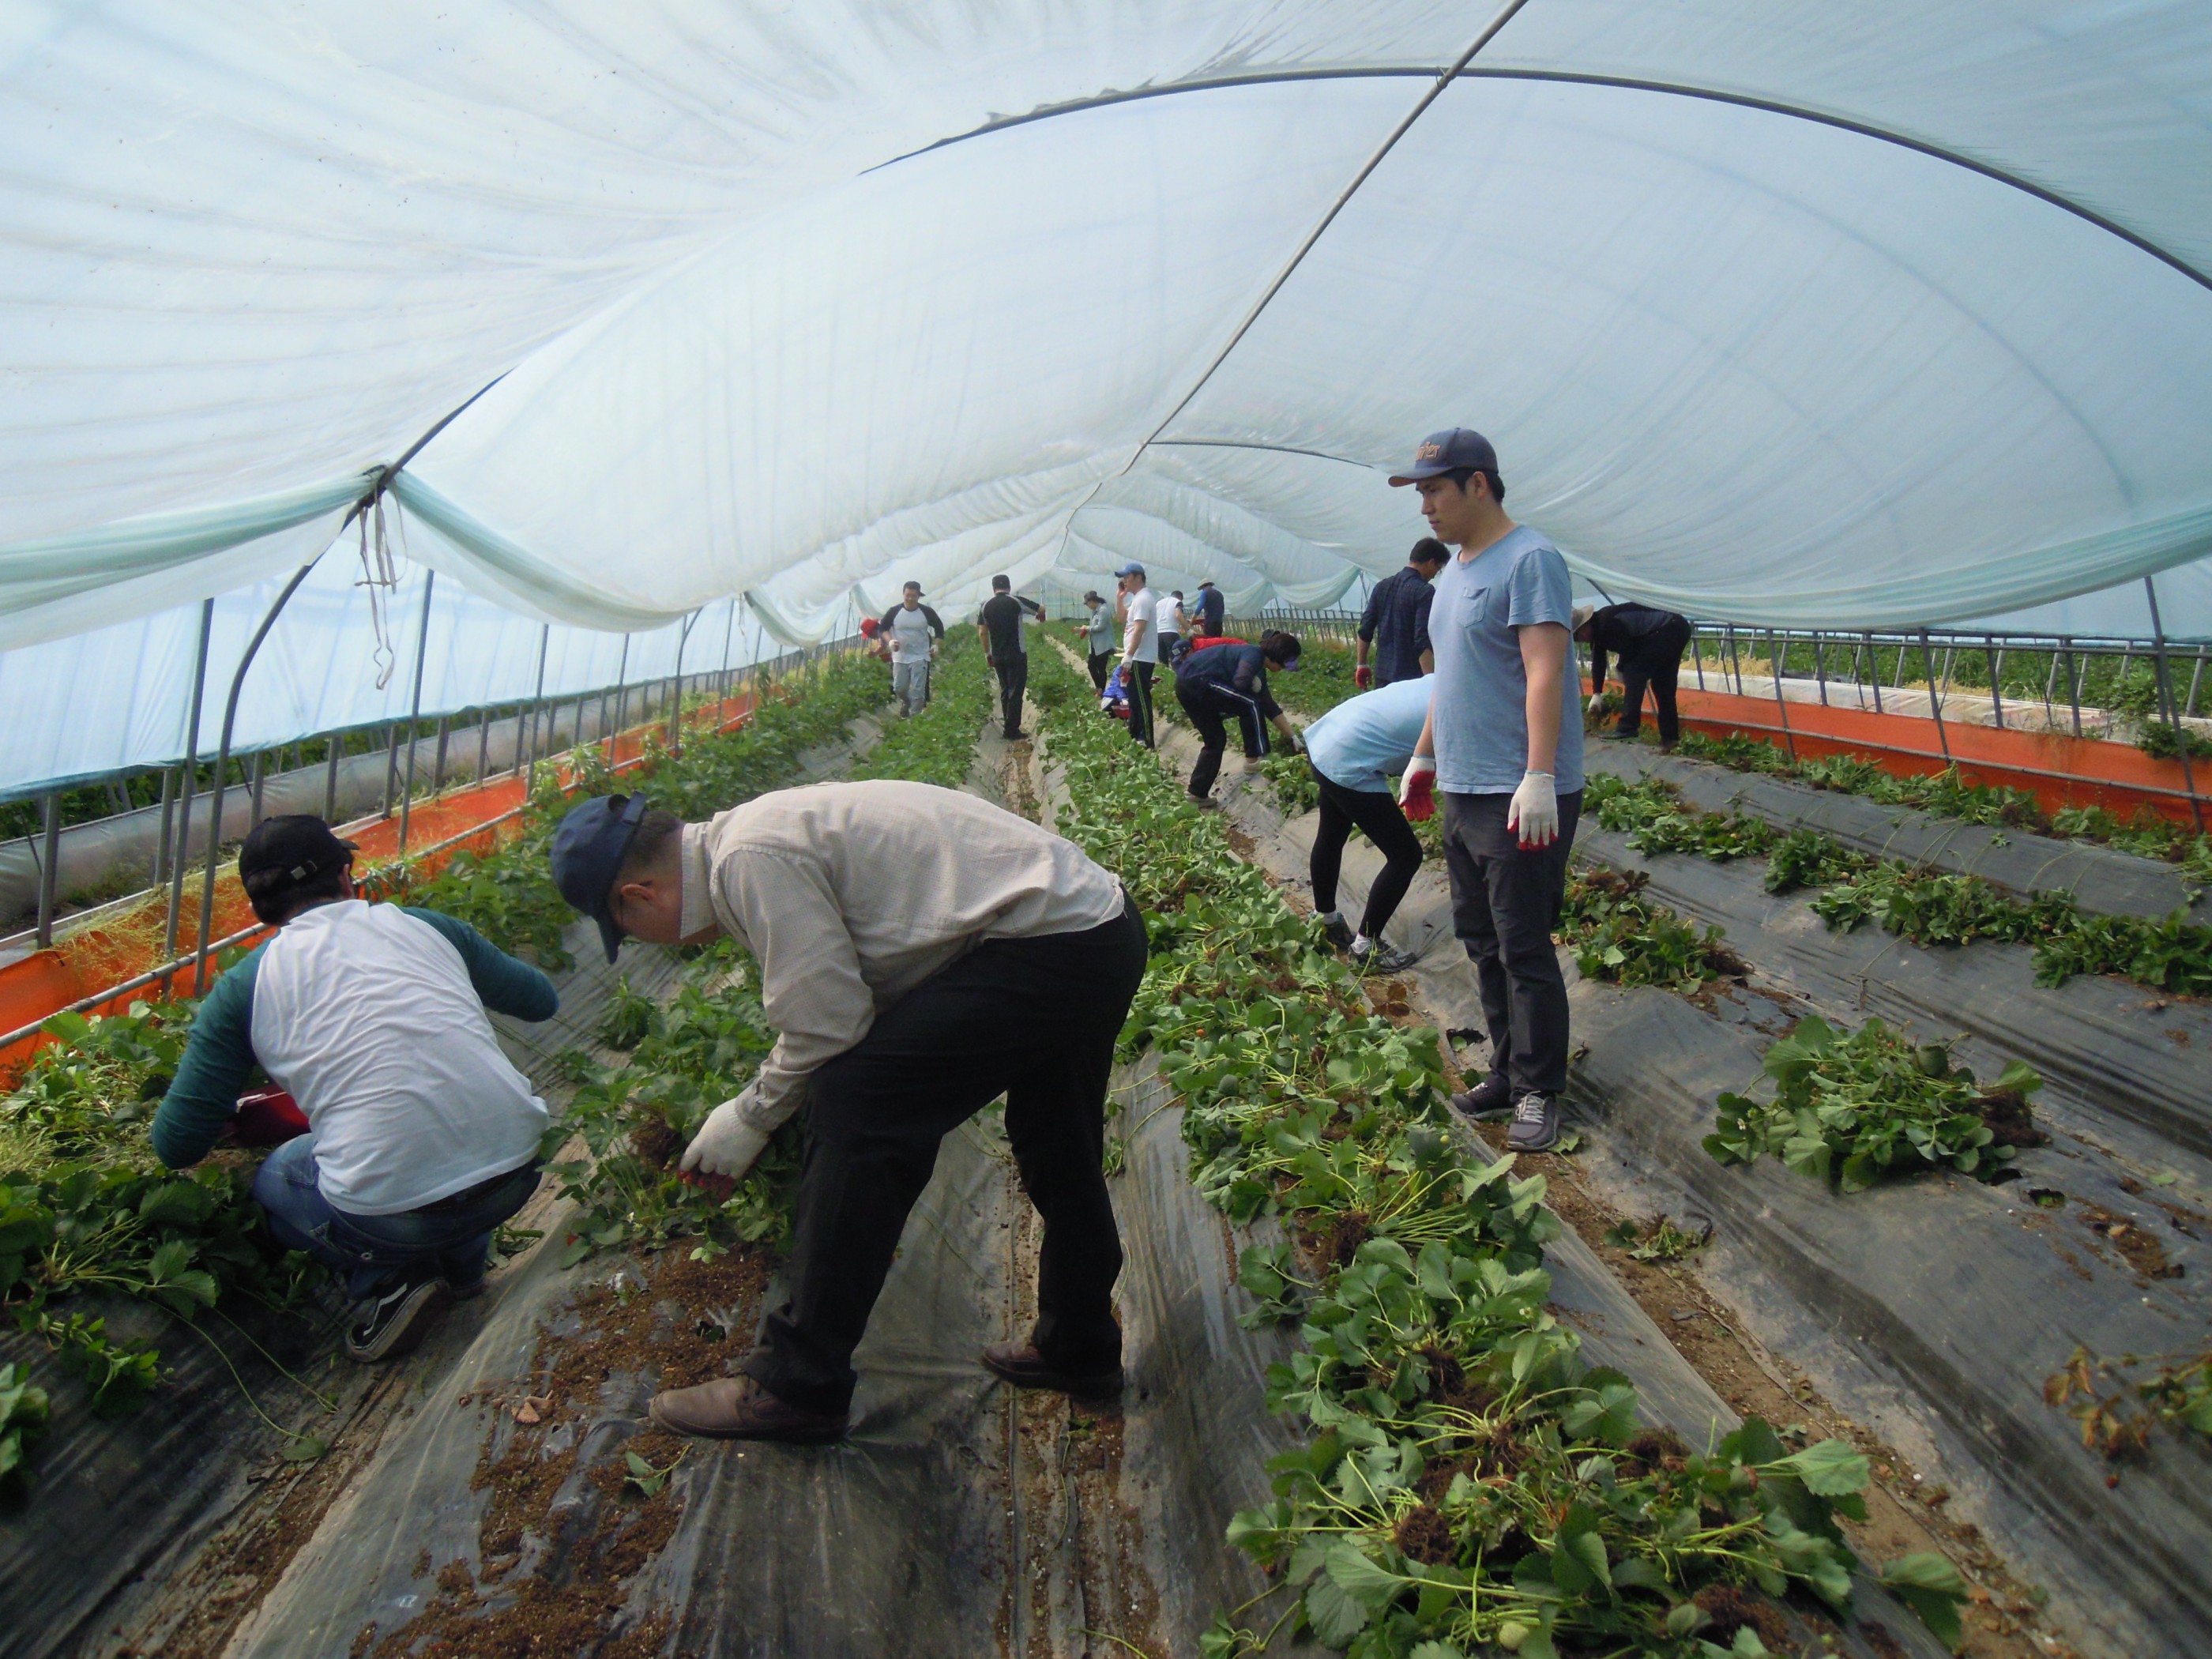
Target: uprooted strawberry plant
{"points": [[1470, 1482], [1852, 1108]]}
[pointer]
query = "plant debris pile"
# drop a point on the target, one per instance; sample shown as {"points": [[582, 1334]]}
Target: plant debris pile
{"points": [[1853, 1107]]}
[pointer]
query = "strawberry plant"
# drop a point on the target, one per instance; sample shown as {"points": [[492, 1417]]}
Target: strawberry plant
{"points": [[22, 1420], [1853, 1107], [937, 745], [1620, 935]]}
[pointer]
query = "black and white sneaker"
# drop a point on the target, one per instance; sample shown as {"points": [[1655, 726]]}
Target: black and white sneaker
{"points": [[1487, 1102], [1535, 1123], [395, 1318], [1338, 932], [1383, 957]]}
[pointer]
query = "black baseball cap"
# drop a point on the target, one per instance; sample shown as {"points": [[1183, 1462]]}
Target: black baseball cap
{"points": [[283, 853], [1446, 452], [588, 848]]}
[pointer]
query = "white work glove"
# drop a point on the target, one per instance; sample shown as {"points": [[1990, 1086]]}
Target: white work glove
{"points": [[1534, 812], [727, 1144], [1597, 702], [1417, 790]]}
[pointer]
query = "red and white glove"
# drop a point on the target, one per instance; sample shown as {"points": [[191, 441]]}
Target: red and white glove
{"points": [[1363, 677], [1534, 812], [1417, 790]]}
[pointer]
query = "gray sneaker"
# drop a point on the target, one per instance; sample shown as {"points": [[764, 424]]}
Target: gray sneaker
{"points": [[1383, 957], [1487, 1102], [1535, 1123]]}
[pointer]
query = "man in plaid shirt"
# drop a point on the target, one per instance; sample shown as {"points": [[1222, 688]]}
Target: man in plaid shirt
{"points": [[1398, 616]]}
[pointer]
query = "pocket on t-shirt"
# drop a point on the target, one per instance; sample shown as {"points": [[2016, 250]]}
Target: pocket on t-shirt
{"points": [[1474, 607]]}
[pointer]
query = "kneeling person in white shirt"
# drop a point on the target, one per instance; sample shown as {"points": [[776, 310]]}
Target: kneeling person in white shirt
{"points": [[422, 1136], [902, 931]]}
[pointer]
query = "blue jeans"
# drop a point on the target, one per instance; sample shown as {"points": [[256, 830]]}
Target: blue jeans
{"points": [[453, 1238]]}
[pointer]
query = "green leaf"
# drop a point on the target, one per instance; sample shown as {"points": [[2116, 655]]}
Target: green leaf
{"points": [[1830, 1468], [1351, 1569], [303, 1448], [1335, 1615], [1931, 1586]]}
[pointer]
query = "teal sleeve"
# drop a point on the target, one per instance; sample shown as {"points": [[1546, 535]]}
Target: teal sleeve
{"points": [[218, 1060], [508, 986]]}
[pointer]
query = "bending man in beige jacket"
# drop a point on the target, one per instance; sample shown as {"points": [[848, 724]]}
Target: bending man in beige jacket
{"points": [[902, 932]]}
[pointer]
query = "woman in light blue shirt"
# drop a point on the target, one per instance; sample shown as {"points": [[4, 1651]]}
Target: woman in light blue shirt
{"points": [[1355, 750]]}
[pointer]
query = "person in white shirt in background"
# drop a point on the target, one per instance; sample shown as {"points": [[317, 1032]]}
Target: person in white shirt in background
{"points": [[1172, 643], [1140, 647], [902, 932], [913, 629]]}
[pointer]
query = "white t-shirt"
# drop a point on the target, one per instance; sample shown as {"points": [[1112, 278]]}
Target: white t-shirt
{"points": [[1144, 607], [367, 1015], [1171, 615], [909, 634]]}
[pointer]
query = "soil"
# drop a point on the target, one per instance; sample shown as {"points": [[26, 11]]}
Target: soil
{"points": [[2010, 1118], [1730, 1609], [2138, 1246], [566, 1531]]}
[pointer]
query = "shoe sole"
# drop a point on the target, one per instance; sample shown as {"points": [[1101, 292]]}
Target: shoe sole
{"points": [[1483, 1114], [405, 1333], [1075, 1388], [821, 1436]]}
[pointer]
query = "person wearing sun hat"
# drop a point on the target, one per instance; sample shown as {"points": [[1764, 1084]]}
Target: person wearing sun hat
{"points": [[902, 931], [1503, 745], [422, 1137]]}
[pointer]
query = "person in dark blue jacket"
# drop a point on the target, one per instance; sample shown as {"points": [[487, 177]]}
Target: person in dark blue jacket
{"points": [[1230, 682]]}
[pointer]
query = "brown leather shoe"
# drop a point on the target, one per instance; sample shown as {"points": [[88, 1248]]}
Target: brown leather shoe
{"points": [[739, 1408], [1021, 1364]]}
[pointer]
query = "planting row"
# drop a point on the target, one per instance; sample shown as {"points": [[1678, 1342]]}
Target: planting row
{"points": [[1470, 1480]]}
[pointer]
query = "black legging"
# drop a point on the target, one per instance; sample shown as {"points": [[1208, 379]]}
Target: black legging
{"points": [[1654, 660], [1376, 812]]}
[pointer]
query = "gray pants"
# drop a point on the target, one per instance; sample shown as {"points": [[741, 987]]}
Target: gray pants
{"points": [[910, 685], [1505, 902]]}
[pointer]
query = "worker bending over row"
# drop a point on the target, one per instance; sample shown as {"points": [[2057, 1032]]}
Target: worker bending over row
{"points": [[902, 932], [1355, 750], [421, 1137], [1228, 682]]}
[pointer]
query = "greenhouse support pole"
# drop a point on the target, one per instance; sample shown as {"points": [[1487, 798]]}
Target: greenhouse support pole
{"points": [[49, 857], [415, 707], [1697, 658], [2181, 738], [1781, 703], [676, 700], [168, 827], [222, 761], [184, 787], [438, 766], [1996, 677], [2073, 687], [2196, 679], [330, 782], [256, 780], [1875, 652], [1934, 702], [537, 711], [1820, 669]]}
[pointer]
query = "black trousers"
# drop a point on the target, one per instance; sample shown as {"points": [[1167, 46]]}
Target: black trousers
{"points": [[1013, 674], [1505, 902], [1210, 706], [1138, 677], [1102, 665], [1375, 814], [1034, 1019], [1655, 661]]}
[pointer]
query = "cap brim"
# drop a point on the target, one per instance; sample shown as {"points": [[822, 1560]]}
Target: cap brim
{"points": [[1399, 480], [610, 938]]}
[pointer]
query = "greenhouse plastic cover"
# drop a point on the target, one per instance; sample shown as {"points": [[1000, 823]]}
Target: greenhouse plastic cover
{"points": [[1778, 314]]}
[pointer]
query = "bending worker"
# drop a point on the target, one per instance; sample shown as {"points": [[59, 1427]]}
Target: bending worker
{"points": [[1355, 750], [1230, 682], [421, 1137], [1647, 643], [902, 931]]}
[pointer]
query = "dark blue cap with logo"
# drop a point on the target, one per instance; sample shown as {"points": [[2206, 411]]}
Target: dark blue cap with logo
{"points": [[588, 850], [1446, 452]]}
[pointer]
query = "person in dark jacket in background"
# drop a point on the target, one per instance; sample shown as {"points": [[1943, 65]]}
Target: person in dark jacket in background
{"points": [[1000, 623], [1648, 644], [1230, 682], [422, 1136], [1396, 621], [1212, 609]]}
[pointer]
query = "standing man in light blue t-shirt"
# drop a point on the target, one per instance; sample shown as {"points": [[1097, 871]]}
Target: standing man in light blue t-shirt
{"points": [[1503, 744]]}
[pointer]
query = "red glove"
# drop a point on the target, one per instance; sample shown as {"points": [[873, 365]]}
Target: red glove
{"points": [[1417, 790], [1363, 677]]}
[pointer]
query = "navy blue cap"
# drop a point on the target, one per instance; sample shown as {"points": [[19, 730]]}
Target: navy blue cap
{"points": [[588, 850], [1446, 452], [1132, 568]]}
